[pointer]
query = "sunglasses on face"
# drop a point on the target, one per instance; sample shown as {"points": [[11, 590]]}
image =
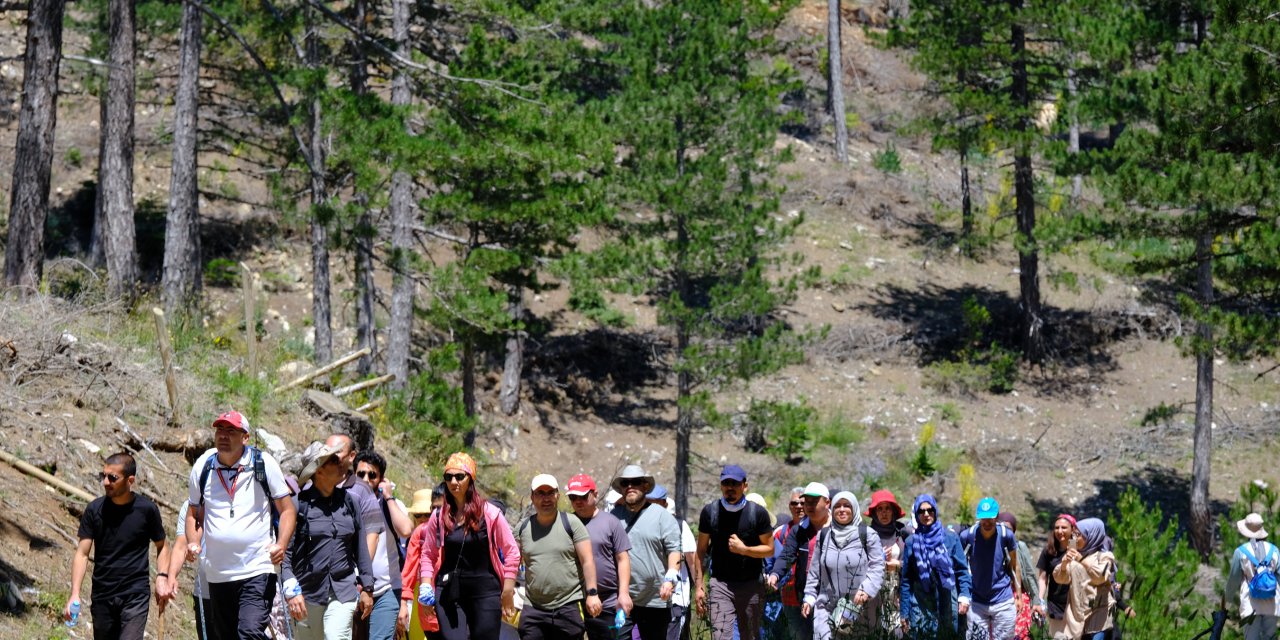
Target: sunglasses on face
{"points": [[631, 482], [109, 476], [454, 477], [370, 475], [926, 510], [797, 503], [575, 498], [730, 483]]}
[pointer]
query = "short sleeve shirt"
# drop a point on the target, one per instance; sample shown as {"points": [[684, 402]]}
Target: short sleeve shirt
{"points": [[121, 535], [654, 535], [551, 576], [608, 539], [749, 523], [237, 516]]}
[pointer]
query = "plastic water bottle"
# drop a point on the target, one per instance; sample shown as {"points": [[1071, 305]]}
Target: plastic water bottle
{"points": [[620, 619], [75, 613]]}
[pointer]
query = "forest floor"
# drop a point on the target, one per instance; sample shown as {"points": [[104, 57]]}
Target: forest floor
{"points": [[1069, 437]]}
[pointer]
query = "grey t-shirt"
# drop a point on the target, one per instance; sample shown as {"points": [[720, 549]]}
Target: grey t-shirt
{"points": [[654, 535], [608, 539]]}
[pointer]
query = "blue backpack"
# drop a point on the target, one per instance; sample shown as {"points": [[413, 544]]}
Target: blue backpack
{"points": [[1262, 586]]}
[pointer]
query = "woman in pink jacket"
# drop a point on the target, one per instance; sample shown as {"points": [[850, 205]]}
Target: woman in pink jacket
{"points": [[468, 558]]}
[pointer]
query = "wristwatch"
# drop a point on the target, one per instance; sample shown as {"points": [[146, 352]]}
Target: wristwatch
{"points": [[593, 591]]}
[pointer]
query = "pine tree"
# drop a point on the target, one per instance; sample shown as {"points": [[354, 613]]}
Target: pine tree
{"points": [[696, 113], [1194, 200], [976, 53], [181, 280]]}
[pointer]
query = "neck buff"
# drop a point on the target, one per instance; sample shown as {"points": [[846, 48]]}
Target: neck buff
{"points": [[733, 508], [888, 532], [933, 563], [844, 534]]}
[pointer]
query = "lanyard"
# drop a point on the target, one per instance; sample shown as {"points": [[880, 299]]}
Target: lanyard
{"points": [[231, 490]]}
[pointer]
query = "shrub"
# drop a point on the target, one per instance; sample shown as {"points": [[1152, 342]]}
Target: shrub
{"points": [[222, 272], [1157, 569], [888, 160], [785, 426], [429, 411], [922, 466]]}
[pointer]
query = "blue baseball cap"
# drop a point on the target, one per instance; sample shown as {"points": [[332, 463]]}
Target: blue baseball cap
{"points": [[659, 493], [733, 472], [987, 508]]}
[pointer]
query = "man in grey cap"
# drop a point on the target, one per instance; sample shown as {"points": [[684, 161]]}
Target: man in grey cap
{"points": [[655, 552]]}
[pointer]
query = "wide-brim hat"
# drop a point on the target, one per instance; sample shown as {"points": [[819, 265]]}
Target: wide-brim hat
{"points": [[315, 455], [421, 502], [1251, 527], [885, 496], [632, 472]]}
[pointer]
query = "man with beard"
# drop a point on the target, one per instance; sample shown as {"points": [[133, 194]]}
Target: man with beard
{"points": [[655, 552], [737, 535]]}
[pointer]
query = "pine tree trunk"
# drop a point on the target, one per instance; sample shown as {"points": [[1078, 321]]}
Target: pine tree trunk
{"points": [[1073, 134], [509, 394], [1024, 195], [33, 154], [401, 209], [468, 362], [366, 336], [835, 82], [966, 206], [115, 169], [181, 280], [1201, 523], [321, 314], [684, 381]]}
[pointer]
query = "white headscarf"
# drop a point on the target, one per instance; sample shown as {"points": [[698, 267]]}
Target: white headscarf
{"points": [[844, 534]]}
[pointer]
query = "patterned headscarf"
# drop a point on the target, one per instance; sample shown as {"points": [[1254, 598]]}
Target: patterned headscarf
{"points": [[461, 462], [933, 563]]}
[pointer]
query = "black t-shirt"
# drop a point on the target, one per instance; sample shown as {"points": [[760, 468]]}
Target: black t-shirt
{"points": [[121, 535], [749, 523], [1057, 596], [474, 559]]}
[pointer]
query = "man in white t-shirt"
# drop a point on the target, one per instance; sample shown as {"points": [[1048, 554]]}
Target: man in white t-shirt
{"points": [[232, 489], [681, 598]]}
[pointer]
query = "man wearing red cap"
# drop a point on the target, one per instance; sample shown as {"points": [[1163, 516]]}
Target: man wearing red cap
{"points": [[232, 489], [611, 550]]}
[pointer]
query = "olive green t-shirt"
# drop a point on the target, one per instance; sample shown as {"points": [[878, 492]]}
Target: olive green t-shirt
{"points": [[551, 575]]}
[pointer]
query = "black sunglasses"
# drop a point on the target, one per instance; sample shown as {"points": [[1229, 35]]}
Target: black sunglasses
{"points": [[925, 510], [797, 503], [367, 474], [109, 476], [630, 482], [454, 476]]}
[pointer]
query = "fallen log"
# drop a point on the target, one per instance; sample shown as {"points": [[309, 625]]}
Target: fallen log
{"points": [[303, 379], [190, 444], [18, 464]]}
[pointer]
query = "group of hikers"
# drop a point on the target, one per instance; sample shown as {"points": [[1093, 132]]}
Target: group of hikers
{"points": [[333, 555]]}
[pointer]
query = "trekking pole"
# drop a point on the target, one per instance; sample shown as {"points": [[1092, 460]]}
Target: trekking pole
{"points": [[203, 587], [284, 602]]}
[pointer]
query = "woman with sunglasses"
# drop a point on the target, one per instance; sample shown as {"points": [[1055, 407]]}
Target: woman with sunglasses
{"points": [[421, 623], [935, 574], [1055, 595], [468, 559]]}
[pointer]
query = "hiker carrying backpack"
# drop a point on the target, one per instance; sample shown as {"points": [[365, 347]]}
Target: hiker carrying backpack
{"points": [[1253, 579]]}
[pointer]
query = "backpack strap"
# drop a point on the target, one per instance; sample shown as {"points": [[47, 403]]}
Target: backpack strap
{"points": [[1244, 548]]}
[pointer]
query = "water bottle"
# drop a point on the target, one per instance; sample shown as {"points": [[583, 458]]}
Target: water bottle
{"points": [[75, 613], [620, 619]]}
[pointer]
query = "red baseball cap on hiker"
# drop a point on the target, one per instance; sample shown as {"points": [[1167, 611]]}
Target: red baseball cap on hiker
{"points": [[581, 485], [232, 419]]}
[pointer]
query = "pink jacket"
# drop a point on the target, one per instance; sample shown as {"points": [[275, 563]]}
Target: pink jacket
{"points": [[503, 552]]}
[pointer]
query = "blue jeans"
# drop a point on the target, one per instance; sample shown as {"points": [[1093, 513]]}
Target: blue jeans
{"points": [[382, 621]]}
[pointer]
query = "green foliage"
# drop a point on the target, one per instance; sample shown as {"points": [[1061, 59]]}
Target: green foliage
{"points": [[980, 363], [1160, 414], [922, 466], [430, 411], [949, 412], [73, 157], [787, 425], [222, 272], [234, 388], [1157, 569], [887, 160], [1255, 497]]}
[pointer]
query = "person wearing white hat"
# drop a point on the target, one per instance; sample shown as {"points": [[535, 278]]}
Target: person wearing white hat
{"points": [[792, 566], [655, 552], [560, 572], [1252, 579]]}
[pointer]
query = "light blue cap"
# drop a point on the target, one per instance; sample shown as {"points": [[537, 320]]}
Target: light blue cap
{"points": [[987, 508]]}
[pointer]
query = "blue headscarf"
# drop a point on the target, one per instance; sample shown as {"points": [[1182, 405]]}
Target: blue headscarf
{"points": [[933, 563]]}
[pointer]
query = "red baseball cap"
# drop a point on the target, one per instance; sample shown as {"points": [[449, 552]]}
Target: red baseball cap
{"points": [[581, 485], [232, 419]]}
